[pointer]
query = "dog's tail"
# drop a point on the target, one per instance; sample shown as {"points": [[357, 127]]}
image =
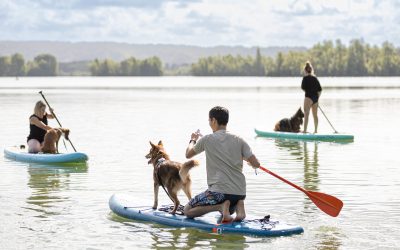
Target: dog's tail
{"points": [[184, 172]]}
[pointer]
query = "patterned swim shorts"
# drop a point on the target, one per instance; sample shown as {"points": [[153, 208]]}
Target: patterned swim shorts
{"points": [[207, 198]]}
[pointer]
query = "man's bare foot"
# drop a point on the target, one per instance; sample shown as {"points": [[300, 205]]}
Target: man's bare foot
{"points": [[226, 216], [240, 211]]}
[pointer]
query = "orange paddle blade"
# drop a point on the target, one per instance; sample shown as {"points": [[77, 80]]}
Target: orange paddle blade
{"points": [[327, 203]]}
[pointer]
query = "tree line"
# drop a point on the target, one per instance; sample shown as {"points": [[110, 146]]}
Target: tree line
{"points": [[47, 65], [328, 58], [129, 67], [15, 65]]}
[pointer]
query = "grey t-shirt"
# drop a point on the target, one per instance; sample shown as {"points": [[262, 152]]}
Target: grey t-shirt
{"points": [[224, 161]]}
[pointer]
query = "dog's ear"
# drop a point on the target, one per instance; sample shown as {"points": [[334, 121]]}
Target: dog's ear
{"points": [[160, 143], [152, 145]]}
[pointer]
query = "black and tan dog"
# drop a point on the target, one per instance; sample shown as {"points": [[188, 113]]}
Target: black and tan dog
{"points": [[171, 175], [291, 124]]}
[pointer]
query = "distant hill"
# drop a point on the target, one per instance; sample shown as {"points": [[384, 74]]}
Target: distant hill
{"points": [[169, 54]]}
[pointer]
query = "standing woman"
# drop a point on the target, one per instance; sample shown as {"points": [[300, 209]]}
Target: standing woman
{"points": [[38, 127], [312, 89]]}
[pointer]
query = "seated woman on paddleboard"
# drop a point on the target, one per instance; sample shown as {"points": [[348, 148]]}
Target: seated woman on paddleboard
{"points": [[38, 127], [312, 89]]}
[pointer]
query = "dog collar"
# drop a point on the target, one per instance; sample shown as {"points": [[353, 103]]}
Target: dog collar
{"points": [[159, 161]]}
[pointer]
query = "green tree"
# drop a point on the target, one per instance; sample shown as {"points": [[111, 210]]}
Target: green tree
{"points": [[258, 64], [356, 59], [43, 65], [390, 60], [5, 65], [339, 59], [17, 65], [95, 67]]}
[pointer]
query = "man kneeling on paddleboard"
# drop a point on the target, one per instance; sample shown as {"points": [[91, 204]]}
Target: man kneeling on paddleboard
{"points": [[224, 165]]}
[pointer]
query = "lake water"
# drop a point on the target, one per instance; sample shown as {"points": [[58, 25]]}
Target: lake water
{"points": [[113, 119]]}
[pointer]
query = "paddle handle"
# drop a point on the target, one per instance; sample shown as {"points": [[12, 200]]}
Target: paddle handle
{"points": [[44, 98]]}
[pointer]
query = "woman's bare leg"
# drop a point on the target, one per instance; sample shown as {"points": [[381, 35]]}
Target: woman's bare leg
{"points": [[307, 106], [34, 146], [315, 115]]}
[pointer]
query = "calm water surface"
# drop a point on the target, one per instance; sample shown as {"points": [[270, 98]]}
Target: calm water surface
{"points": [[113, 119]]}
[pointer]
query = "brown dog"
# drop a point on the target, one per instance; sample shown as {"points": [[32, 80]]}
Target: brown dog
{"points": [[292, 124], [171, 175], [51, 138]]}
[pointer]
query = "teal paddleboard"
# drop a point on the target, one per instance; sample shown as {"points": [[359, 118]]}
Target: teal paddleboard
{"points": [[17, 154], [307, 136], [126, 206]]}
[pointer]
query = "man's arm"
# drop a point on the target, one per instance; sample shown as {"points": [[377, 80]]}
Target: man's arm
{"points": [[189, 150], [253, 161]]}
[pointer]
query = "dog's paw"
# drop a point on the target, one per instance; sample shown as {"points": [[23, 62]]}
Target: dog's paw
{"points": [[154, 207], [172, 212]]}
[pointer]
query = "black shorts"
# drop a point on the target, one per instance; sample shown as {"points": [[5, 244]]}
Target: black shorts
{"points": [[233, 198], [314, 98]]}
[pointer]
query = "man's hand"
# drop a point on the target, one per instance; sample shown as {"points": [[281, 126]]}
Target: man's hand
{"points": [[193, 139], [195, 136]]}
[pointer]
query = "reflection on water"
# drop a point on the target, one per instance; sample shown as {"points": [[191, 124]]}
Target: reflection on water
{"points": [[46, 183], [307, 152], [311, 165], [329, 238], [164, 237]]}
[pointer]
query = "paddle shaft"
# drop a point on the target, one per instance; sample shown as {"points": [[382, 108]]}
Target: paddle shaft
{"points": [[327, 119], [284, 180], [44, 98], [308, 193]]}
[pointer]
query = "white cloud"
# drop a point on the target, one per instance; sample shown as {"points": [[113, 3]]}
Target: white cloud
{"points": [[204, 23]]}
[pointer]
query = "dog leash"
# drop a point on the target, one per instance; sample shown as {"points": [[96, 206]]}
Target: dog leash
{"points": [[159, 162]]}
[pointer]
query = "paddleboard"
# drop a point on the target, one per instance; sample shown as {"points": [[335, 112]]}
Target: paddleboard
{"points": [[17, 154], [126, 206], [302, 136]]}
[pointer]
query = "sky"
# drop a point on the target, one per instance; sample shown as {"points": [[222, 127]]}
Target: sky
{"points": [[202, 22]]}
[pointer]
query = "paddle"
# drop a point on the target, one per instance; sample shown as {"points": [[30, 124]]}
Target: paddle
{"points": [[327, 203], [44, 98], [327, 119]]}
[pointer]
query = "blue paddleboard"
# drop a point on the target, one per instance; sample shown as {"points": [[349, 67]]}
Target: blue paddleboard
{"points": [[125, 206], [17, 154], [302, 136]]}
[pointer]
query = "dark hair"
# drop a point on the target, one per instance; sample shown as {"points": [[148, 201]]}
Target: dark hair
{"points": [[220, 114]]}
